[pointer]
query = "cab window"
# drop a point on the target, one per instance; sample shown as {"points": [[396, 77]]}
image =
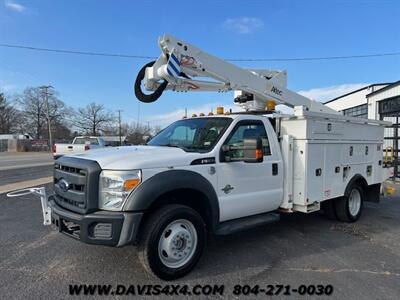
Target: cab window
{"points": [[246, 130]]}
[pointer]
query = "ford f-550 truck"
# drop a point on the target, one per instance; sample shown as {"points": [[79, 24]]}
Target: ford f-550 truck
{"points": [[218, 173]]}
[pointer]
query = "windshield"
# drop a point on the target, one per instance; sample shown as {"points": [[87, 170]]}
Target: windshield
{"points": [[198, 135]]}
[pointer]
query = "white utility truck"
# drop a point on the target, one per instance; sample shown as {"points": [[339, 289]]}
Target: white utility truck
{"points": [[80, 144], [218, 173]]}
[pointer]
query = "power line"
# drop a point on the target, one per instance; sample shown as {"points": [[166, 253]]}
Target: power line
{"points": [[64, 51], [317, 58], [77, 52]]}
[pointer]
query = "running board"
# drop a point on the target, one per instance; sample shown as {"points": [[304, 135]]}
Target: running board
{"points": [[245, 223]]}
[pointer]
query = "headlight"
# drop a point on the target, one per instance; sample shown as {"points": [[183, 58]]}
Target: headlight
{"points": [[115, 186]]}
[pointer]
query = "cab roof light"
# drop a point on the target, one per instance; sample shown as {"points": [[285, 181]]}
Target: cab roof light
{"points": [[271, 105], [220, 110]]}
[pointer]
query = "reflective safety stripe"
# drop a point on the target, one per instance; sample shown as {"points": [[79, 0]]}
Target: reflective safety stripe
{"points": [[173, 66]]}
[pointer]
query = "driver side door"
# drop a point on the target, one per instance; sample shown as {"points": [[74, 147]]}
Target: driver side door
{"points": [[246, 189]]}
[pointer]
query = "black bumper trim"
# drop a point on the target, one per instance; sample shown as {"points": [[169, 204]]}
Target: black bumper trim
{"points": [[124, 225]]}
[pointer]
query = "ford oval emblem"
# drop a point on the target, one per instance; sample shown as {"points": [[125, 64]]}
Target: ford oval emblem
{"points": [[63, 185]]}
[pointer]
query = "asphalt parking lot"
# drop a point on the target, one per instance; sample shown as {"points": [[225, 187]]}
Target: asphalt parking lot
{"points": [[361, 261]]}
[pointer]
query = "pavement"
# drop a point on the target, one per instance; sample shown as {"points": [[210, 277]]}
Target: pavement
{"points": [[12, 161], [23, 170], [360, 260]]}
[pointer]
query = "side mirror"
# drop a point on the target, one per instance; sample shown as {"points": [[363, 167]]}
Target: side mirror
{"points": [[250, 152]]}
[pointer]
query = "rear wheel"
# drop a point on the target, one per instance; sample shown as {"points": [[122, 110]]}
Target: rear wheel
{"points": [[349, 207], [173, 241]]}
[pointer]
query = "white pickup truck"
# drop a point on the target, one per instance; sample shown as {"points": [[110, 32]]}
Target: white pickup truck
{"points": [[219, 173], [80, 144]]}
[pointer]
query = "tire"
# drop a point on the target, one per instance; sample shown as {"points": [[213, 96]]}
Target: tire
{"points": [[328, 206], [349, 207], [172, 242]]}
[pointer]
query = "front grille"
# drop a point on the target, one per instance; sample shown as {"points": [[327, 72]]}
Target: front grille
{"points": [[71, 169], [70, 201], [76, 184]]}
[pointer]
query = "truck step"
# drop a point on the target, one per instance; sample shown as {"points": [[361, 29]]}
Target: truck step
{"points": [[242, 224]]}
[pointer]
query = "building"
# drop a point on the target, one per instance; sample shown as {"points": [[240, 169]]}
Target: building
{"points": [[380, 101]]}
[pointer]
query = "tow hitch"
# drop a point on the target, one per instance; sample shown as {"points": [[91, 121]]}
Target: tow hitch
{"points": [[41, 191]]}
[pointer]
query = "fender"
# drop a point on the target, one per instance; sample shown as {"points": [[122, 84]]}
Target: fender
{"points": [[150, 190], [356, 177], [371, 192]]}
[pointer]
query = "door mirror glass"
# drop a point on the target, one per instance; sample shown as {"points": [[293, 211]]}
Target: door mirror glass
{"points": [[250, 151]]}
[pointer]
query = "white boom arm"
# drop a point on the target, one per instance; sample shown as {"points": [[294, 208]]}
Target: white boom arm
{"points": [[180, 61]]}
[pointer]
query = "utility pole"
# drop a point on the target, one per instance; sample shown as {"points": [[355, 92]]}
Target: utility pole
{"points": [[138, 115], [119, 126], [45, 89]]}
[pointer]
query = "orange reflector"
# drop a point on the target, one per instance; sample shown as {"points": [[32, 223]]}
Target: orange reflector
{"points": [[130, 184], [390, 190], [259, 153]]}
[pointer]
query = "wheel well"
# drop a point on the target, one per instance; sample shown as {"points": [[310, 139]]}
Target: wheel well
{"points": [[189, 197], [360, 181]]}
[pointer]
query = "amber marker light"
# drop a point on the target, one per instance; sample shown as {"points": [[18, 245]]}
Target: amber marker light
{"points": [[130, 184]]}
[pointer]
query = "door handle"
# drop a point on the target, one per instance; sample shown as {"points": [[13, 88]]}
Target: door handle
{"points": [[274, 169]]}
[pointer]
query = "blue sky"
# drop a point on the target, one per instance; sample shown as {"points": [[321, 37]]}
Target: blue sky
{"points": [[235, 29]]}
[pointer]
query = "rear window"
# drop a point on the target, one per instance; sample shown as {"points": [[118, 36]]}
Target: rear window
{"points": [[83, 141]]}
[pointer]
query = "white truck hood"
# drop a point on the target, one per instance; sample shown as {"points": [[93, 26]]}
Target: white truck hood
{"points": [[139, 157]]}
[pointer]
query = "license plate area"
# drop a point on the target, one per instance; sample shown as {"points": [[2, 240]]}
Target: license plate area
{"points": [[71, 228], [67, 227]]}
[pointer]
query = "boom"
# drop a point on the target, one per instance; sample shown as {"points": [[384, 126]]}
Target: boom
{"points": [[180, 62]]}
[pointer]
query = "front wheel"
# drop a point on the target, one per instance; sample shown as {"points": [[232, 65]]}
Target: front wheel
{"points": [[349, 207], [172, 242]]}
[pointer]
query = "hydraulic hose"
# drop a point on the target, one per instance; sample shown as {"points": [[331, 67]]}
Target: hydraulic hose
{"points": [[148, 98]]}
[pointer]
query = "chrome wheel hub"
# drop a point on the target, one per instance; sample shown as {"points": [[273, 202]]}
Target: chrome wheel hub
{"points": [[354, 202], [177, 243]]}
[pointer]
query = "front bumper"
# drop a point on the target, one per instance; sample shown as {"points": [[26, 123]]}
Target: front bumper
{"points": [[102, 227]]}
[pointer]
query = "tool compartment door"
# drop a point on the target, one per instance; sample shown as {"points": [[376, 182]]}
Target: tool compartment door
{"points": [[314, 172]]}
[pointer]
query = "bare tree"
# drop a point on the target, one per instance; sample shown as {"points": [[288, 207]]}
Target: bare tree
{"points": [[33, 109], [93, 119], [139, 134], [9, 116], [156, 129]]}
